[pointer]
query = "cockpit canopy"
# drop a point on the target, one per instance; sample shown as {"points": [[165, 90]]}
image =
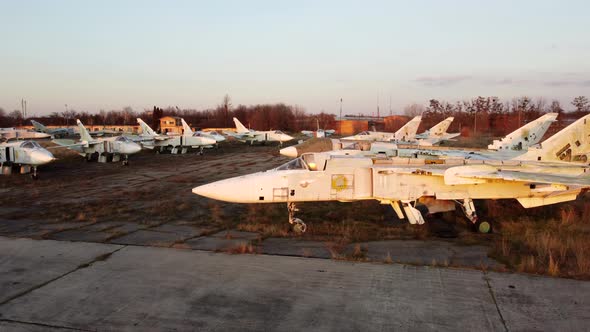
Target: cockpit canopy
{"points": [[308, 161], [278, 132], [30, 145], [297, 163], [364, 133], [123, 139]]}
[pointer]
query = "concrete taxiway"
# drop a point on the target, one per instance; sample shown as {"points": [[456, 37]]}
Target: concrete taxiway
{"points": [[53, 285]]}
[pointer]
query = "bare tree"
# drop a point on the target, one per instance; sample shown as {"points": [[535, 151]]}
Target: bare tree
{"points": [[581, 104], [414, 109]]}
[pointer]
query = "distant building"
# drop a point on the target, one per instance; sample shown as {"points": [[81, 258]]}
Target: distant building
{"points": [[354, 124], [171, 124]]}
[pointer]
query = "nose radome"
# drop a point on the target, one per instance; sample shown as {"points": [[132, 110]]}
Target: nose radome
{"points": [[134, 148], [290, 152], [41, 157]]}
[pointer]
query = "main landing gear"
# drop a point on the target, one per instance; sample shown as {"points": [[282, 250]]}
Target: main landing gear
{"points": [[416, 212], [298, 225], [468, 208], [126, 161]]}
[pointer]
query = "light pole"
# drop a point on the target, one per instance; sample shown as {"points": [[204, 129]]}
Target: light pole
{"points": [[340, 122]]}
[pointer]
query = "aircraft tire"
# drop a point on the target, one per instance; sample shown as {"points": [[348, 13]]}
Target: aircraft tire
{"points": [[483, 227]]}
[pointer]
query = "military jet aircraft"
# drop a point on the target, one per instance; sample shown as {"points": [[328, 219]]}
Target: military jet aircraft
{"points": [[54, 132], [15, 133], [187, 131], [404, 134], [511, 146], [437, 133], [319, 133], [106, 147], [26, 154], [244, 134], [177, 144], [556, 171]]}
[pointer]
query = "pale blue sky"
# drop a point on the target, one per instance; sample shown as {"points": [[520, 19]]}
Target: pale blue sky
{"points": [[110, 54]]}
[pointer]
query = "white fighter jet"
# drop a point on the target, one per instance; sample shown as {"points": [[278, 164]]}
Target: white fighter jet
{"points": [[511, 146], [54, 132], [176, 144], [556, 171], [187, 131], [26, 154], [437, 133], [105, 148], [319, 133], [247, 135], [406, 133], [15, 133]]}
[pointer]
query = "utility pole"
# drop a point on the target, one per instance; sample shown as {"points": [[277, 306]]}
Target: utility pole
{"points": [[340, 122]]}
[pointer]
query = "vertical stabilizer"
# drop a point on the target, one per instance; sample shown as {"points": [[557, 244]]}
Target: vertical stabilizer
{"points": [[187, 131], [525, 136], [240, 128], [408, 131], [570, 144], [440, 129], [39, 126], [84, 134], [146, 130]]}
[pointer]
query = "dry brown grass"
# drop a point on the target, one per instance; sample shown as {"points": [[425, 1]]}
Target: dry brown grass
{"points": [[557, 247], [241, 248]]}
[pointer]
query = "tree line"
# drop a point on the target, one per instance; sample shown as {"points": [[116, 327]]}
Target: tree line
{"points": [[488, 115]]}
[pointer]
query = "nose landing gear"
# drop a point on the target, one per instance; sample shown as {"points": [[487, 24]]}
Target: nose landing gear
{"points": [[299, 226]]}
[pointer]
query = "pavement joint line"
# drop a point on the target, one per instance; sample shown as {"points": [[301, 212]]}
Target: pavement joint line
{"points": [[487, 280], [98, 258], [43, 325]]}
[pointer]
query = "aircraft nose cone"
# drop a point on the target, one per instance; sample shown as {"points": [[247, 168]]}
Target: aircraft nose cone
{"points": [[131, 148], [41, 157], [219, 138], [290, 152], [285, 138], [209, 141], [236, 190]]}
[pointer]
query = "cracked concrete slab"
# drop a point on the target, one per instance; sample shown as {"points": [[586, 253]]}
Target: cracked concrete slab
{"points": [[26, 263], [147, 288], [535, 303], [145, 237], [234, 234], [215, 243], [430, 252], [295, 247]]}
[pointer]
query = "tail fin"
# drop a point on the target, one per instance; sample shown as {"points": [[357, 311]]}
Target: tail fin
{"points": [[440, 129], [240, 128], [570, 144], [408, 131], [187, 129], [39, 126], [84, 135], [145, 128], [525, 136]]}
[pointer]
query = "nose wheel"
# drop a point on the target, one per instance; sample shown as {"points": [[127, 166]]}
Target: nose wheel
{"points": [[34, 175], [299, 226]]}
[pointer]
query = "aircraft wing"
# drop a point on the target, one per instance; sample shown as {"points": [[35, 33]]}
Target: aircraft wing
{"points": [[473, 174], [307, 133], [68, 143]]}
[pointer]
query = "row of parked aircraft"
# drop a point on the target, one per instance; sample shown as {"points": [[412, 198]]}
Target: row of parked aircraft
{"points": [[417, 180]]}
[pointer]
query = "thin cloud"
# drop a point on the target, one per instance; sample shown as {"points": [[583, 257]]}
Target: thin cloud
{"points": [[441, 80], [578, 82]]}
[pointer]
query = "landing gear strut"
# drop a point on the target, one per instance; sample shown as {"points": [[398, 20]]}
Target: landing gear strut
{"points": [[469, 210], [34, 175], [298, 225], [126, 161], [201, 150]]}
